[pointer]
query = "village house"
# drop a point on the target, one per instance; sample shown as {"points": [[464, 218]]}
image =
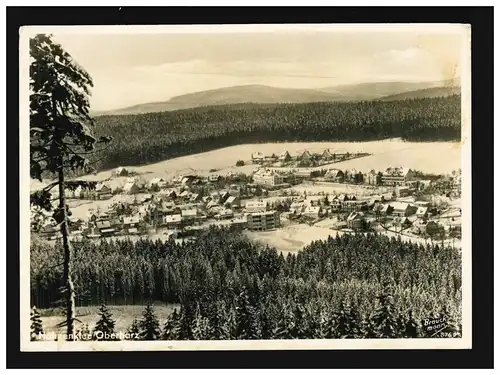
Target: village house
{"points": [[233, 202], [334, 175], [256, 206], [327, 155], [258, 157], [355, 220], [223, 196], [120, 171], [267, 178], [143, 211], [305, 159], [168, 193], [101, 216], [336, 205], [285, 157], [215, 196], [185, 194], [239, 222], [262, 221], [401, 209], [372, 178], [353, 176], [422, 212], [130, 222], [172, 221], [212, 204], [195, 197], [167, 206], [212, 211], [312, 211], [131, 188], [187, 180], [354, 205], [306, 155], [189, 215], [402, 191], [236, 189], [156, 183], [296, 208], [105, 228], [302, 175], [103, 191], [214, 177], [384, 209], [397, 176], [159, 211], [406, 223], [224, 213]]}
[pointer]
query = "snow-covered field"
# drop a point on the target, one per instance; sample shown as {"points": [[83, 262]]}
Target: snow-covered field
{"points": [[436, 157], [291, 238]]}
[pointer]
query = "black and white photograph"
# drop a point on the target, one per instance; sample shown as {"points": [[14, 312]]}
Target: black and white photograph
{"points": [[277, 186]]}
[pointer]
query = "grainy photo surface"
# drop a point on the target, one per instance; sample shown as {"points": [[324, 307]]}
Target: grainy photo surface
{"points": [[245, 187]]}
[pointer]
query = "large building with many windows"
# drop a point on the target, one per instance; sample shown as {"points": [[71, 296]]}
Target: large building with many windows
{"points": [[397, 176], [261, 221], [267, 178]]}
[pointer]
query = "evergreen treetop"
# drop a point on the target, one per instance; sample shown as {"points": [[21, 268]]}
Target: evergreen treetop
{"points": [[105, 326], [149, 326], [36, 324]]}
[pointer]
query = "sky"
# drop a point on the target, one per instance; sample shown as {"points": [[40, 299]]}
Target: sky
{"points": [[133, 68]]}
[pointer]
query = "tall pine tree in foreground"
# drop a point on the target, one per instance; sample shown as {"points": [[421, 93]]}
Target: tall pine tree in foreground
{"points": [[60, 140], [200, 326], [36, 325], [385, 321], [171, 327], [105, 326], [133, 331], [411, 327], [149, 326]]}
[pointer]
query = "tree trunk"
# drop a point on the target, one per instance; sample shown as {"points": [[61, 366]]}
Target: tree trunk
{"points": [[67, 279]]}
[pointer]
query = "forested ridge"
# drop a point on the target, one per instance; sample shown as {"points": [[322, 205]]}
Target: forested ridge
{"points": [[152, 137], [228, 287]]}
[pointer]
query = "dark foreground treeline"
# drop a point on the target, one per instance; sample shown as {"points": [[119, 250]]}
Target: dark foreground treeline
{"points": [[224, 283], [152, 137]]}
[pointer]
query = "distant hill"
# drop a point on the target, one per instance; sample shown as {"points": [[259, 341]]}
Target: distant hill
{"points": [[258, 94], [261, 94], [377, 90], [433, 92]]}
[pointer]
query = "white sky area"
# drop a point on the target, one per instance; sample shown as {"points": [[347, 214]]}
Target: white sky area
{"points": [[130, 69]]}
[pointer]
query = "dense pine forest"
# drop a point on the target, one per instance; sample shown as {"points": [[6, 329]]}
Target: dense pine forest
{"points": [[230, 288], [152, 137]]}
